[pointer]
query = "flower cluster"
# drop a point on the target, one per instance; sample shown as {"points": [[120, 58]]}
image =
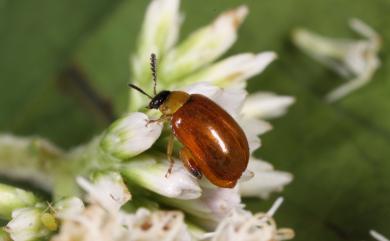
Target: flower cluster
{"points": [[122, 171]]}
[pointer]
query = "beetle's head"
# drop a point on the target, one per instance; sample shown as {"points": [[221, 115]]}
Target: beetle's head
{"points": [[159, 99]]}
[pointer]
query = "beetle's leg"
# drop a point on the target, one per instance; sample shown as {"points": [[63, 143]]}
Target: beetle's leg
{"points": [[169, 154], [159, 120], [189, 162]]}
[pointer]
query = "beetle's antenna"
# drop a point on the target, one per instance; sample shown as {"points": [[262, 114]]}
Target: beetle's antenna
{"points": [[153, 67], [140, 90]]}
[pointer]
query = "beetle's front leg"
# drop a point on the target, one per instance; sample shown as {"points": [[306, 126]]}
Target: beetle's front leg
{"points": [[162, 119], [169, 154]]}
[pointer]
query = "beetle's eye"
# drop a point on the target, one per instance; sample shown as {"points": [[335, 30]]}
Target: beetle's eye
{"points": [[158, 99]]}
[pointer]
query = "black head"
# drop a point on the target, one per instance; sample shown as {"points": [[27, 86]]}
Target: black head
{"points": [[158, 99]]}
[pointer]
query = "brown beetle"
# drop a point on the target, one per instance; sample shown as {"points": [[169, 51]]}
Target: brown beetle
{"points": [[213, 143]]}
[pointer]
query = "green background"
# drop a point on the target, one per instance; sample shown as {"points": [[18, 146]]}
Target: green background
{"points": [[339, 153]]}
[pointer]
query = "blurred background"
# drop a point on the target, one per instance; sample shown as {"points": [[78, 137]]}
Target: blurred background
{"points": [[64, 72]]}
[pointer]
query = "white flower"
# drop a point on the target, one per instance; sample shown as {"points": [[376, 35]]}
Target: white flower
{"points": [[157, 225], [378, 236], [241, 225], [93, 224], [130, 136], [265, 180], [357, 60], [26, 225], [253, 128], [107, 189], [96, 224], [149, 172]]}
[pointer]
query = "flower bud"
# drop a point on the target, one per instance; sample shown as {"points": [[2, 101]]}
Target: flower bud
{"points": [[159, 33], [12, 198], [149, 172], [203, 46], [233, 71], [26, 225], [130, 136], [266, 105]]}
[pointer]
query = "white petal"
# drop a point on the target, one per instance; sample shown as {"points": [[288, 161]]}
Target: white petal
{"points": [[149, 173], [253, 128], [348, 87], [161, 25], [266, 105], [203, 46], [130, 136], [264, 182], [107, 189], [230, 99], [255, 164], [205, 89], [233, 71], [378, 236], [246, 175], [364, 30], [260, 165], [221, 200]]}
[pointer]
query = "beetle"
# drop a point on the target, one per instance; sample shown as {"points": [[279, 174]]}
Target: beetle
{"points": [[214, 145]]}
